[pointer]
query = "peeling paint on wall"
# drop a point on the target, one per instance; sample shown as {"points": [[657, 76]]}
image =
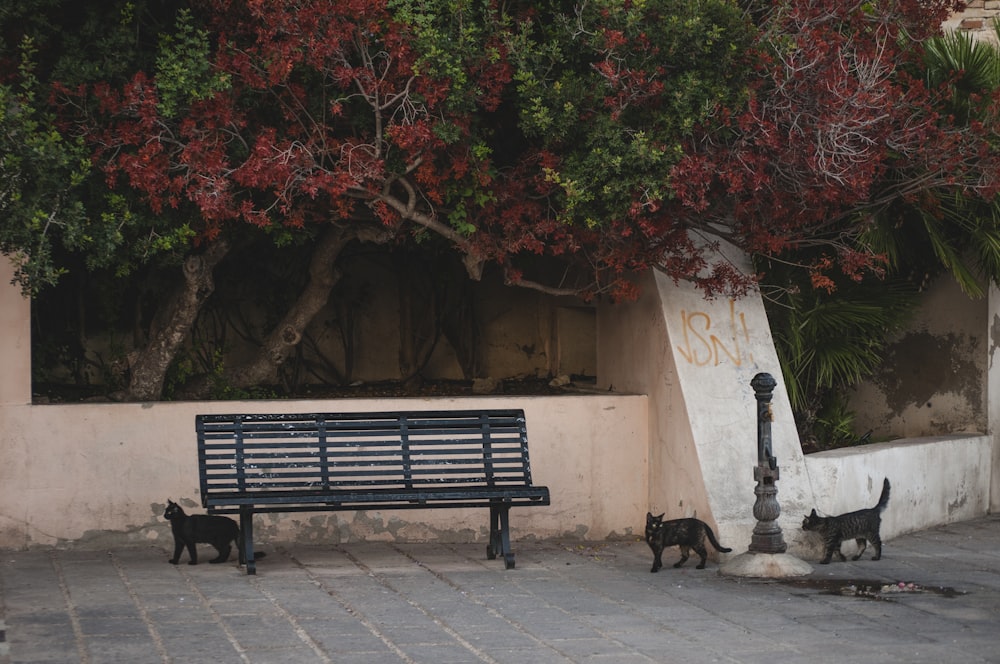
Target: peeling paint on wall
{"points": [[922, 365]]}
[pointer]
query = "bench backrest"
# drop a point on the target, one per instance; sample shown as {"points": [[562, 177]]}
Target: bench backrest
{"points": [[238, 453]]}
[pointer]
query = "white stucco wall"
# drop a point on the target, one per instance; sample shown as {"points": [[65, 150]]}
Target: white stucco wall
{"points": [[695, 359], [934, 480], [85, 473], [673, 430]]}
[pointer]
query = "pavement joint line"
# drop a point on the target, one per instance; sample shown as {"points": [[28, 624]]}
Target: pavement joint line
{"points": [[576, 580], [74, 617], [520, 627], [558, 607], [154, 633], [651, 583], [594, 591], [293, 621], [216, 618], [483, 656], [353, 610]]}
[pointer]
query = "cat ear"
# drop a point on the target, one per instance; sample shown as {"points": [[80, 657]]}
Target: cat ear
{"points": [[813, 513], [661, 515]]}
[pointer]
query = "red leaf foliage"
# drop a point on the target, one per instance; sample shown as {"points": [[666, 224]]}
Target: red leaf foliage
{"points": [[839, 125], [328, 117]]}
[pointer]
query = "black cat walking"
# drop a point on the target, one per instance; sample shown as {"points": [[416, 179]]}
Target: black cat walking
{"points": [[863, 526], [686, 533], [218, 531]]}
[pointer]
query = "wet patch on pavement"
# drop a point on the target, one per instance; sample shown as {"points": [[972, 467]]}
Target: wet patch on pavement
{"points": [[869, 588]]}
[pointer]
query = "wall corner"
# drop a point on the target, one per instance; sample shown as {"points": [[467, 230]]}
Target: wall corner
{"points": [[15, 340]]}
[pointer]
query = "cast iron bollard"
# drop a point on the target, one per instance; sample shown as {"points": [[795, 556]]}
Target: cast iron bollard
{"points": [[766, 536]]}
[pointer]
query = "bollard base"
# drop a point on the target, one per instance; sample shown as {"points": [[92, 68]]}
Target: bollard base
{"points": [[765, 566]]}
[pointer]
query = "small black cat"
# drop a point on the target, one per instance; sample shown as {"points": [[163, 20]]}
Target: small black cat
{"points": [[188, 531], [862, 526], [687, 533]]}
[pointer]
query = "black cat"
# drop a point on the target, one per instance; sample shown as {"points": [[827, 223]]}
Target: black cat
{"points": [[862, 525], [687, 533], [188, 531]]}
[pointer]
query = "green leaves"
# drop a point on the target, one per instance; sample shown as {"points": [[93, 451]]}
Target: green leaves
{"points": [[184, 72], [40, 174], [616, 87]]}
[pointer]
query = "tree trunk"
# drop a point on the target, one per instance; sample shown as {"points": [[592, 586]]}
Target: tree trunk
{"points": [[262, 369], [177, 314]]}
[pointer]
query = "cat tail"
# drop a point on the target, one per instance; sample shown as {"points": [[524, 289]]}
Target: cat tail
{"points": [[884, 498], [715, 542]]}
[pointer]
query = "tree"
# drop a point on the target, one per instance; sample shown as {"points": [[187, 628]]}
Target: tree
{"points": [[830, 339], [611, 93], [310, 121], [602, 137], [39, 169], [956, 227], [839, 128], [364, 121]]}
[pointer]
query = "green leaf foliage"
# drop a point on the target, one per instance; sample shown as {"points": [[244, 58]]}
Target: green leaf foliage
{"points": [[40, 171], [184, 71], [615, 88]]}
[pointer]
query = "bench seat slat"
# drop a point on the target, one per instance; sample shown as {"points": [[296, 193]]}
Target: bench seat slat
{"points": [[537, 495]]}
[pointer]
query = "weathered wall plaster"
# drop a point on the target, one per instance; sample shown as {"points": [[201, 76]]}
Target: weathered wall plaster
{"points": [[15, 340], [84, 472], [934, 480], [933, 379], [993, 392], [976, 19], [99, 474], [695, 359]]}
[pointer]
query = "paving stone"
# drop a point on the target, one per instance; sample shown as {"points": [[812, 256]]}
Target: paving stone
{"points": [[381, 602]]}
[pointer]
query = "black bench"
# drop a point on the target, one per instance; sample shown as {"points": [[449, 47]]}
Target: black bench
{"points": [[367, 461]]}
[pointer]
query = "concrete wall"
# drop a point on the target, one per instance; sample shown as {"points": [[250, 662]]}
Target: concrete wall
{"points": [[695, 359], [976, 19], [934, 480], [683, 442], [993, 393], [933, 380], [15, 341], [91, 473], [941, 376]]}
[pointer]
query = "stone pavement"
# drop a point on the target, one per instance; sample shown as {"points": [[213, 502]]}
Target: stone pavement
{"points": [[444, 603]]}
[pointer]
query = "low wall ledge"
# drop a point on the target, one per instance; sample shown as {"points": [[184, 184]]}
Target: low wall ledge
{"points": [[899, 442]]}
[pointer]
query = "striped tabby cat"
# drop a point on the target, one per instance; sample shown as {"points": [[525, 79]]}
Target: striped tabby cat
{"points": [[862, 526]]}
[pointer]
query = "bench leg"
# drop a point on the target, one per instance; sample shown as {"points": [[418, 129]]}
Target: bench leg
{"points": [[246, 531], [500, 535]]}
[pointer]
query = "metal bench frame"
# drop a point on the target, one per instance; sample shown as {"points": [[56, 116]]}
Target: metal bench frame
{"points": [[253, 463]]}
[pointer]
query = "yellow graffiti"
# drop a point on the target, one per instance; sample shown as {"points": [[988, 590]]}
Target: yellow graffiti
{"points": [[702, 343]]}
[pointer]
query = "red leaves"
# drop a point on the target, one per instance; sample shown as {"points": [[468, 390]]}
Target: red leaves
{"points": [[832, 113], [329, 111]]}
